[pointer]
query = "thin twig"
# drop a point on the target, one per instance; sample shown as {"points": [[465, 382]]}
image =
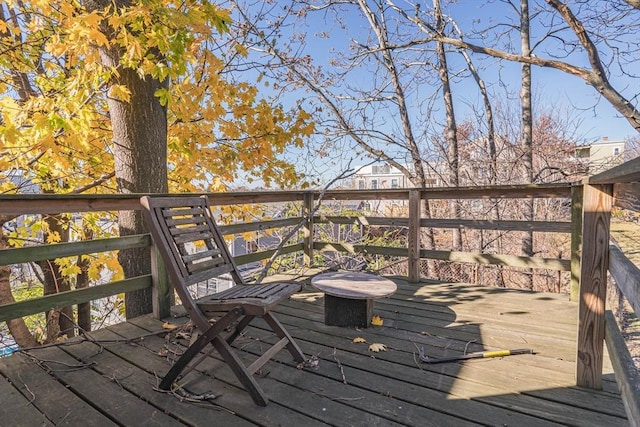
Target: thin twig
{"points": [[72, 367], [88, 338], [344, 174], [344, 379], [33, 396], [414, 356]]}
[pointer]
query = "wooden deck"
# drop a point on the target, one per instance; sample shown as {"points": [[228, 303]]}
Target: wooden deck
{"points": [[111, 380]]}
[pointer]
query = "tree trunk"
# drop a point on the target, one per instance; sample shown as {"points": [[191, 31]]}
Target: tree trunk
{"points": [[140, 137], [60, 321], [140, 150], [84, 309], [527, 129], [451, 135], [17, 327]]}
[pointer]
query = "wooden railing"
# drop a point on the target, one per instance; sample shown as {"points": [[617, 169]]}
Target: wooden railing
{"points": [[619, 187], [588, 225]]}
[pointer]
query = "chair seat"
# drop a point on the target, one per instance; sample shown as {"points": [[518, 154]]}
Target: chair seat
{"points": [[256, 300]]}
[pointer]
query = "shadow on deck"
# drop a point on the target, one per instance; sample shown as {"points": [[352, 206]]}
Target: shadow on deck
{"points": [[111, 380]]}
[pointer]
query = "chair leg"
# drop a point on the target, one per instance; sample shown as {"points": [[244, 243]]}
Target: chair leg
{"points": [[207, 336], [281, 332], [238, 368]]}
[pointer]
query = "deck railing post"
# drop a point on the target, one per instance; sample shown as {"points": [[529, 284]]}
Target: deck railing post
{"points": [[162, 291], [307, 230], [576, 240], [413, 243], [597, 202]]}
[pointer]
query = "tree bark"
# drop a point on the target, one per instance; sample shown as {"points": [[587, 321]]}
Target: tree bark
{"points": [[17, 327], [527, 128], [59, 321], [84, 309], [140, 151], [451, 134]]}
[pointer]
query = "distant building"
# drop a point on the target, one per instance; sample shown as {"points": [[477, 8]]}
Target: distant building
{"points": [[373, 177], [384, 176], [602, 155]]}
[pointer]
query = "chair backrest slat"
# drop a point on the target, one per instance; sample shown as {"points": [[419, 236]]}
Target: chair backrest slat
{"points": [[186, 234], [207, 264], [190, 237], [202, 276], [200, 255]]}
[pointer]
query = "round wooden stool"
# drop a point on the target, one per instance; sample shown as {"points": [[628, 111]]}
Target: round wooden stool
{"points": [[349, 296]]}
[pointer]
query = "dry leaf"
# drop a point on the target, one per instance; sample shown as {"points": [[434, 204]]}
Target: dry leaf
{"points": [[376, 347], [313, 362], [359, 339], [167, 325], [377, 321]]}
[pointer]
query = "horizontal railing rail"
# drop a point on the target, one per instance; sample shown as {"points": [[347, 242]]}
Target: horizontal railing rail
{"points": [[55, 204]]}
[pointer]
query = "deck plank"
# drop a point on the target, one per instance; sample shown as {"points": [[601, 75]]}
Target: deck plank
{"points": [[142, 383], [16, 409], [329, 401], [104, 392], [232, 396], [119, 370], [457, 380], [48, 395]]}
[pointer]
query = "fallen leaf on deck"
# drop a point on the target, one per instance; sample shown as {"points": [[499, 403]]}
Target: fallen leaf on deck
{"points": [[376, 347], [377, 321], [359, 339], [167, 325]]}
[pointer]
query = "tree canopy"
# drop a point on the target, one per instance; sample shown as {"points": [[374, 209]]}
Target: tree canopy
{"points": [[56, 126]]}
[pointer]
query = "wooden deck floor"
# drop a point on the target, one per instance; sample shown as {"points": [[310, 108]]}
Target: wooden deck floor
{"points": [[111, 381]]}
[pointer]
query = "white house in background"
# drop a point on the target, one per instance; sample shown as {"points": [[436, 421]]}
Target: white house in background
{"points": [[373, 177], [602, 155], [384, 176]]}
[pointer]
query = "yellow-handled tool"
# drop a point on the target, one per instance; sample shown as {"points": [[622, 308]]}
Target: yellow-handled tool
{"points": [[476, 355]]}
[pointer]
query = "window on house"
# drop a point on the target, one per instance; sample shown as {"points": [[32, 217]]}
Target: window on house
{"points": [[394, 183], [582, 153], [361, 185], [379, 170], [616, 151], [374, 184]]}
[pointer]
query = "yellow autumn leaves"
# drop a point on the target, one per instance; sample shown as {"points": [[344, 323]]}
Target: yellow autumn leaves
{"points": [[377, 321], [217, 128], [374, 347], [56, 128]]}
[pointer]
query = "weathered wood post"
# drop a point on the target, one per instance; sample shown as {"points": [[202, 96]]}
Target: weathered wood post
{"points": [[576, 240], [162, 291], [307, 230], [597, 201], [413, 241]]}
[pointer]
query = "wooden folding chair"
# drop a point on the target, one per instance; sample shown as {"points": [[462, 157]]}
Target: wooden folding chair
{"points": [[194, 251]]}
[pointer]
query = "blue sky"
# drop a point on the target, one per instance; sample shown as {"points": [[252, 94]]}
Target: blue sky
{"points": [[594, 118], [552, 88]]}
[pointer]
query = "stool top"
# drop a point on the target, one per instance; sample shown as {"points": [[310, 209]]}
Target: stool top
{"points": [[353, 285]]}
